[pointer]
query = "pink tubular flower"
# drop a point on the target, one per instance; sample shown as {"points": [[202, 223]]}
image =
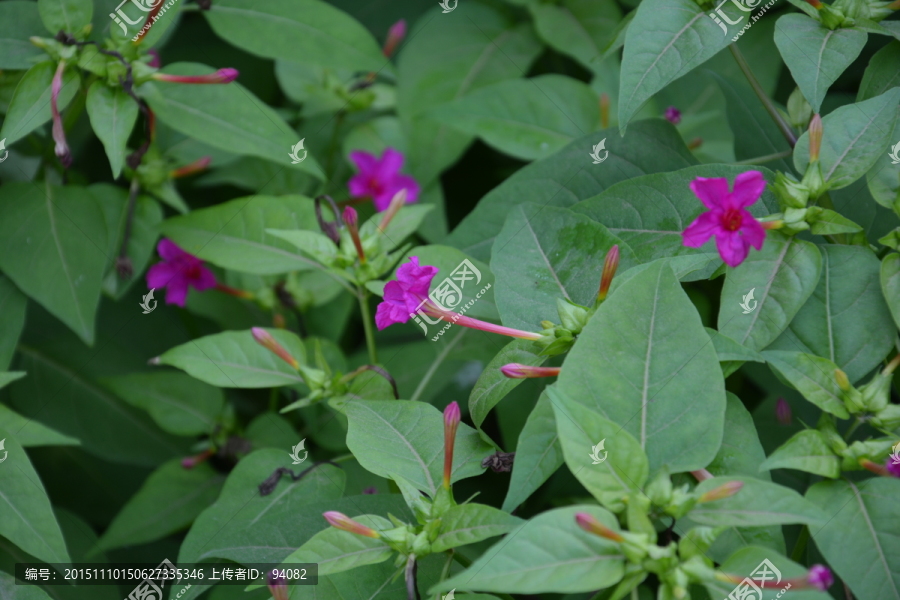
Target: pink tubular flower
{"points": [[726, 490], [673, 115], [592, 525], [727, 219], [451, 423], [395, 35], [220, 76], [178, 271], [190, 462], [265, 339], [519, 371], [342, 521], [195, 167], [59, 134], [820, 577], [380, 178]]}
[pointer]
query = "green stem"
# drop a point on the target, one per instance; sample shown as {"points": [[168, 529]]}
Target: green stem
{"points": [[783, 125], [342, 458], [764, 159], [368, 323], [445, 571], [273, 400], [800, 546], [852, 429]]}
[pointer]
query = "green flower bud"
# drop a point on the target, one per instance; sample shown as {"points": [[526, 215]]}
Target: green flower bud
{"points": [[572, 316], [887, 419], [877, 393], [832, 18], [660, 489], [873, 450], [696, 542], [799, 110], [790, 193]]}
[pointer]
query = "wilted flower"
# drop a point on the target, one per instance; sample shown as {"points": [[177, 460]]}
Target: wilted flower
{"points": [[59, 134], [342, 521], [727, 218], [221, 76], [519, 371], [395, 35], [673, 115], [178, 271], [154, 58], [820, 577], [380, 178], [451, 422], [783, 411]]}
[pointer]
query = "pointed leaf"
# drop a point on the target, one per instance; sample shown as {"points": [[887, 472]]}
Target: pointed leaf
{"points": [[30, 104], [807, 450], [883, 72], [19, 21], [12, 320], [538, 454], [581, 29], [470, 523], [812, 376], [890, 284], [31, 433], [65, 15], [757, 503], [113, 114]]}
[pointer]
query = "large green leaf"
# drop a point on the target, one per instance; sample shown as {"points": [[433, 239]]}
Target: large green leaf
{"points": [[53, 246], [846, 319], [470, 523], [11, 590], [310, 31], [570, 176], [492, 386], [812, 376], [234, 359], [883, 72], [334, 550], [226, 116], [170, 499], [32, 433], [548, 553], [113, 114], [666, 40], [407, 438], [233, 234], [862, 541], [747, 560], [65, 15], [784, 275], [19, 20], [890, 284], [30, 104], [645, 362], [538, 454], [650, 212], [815, 54], [582, 29], [12, 320], [809, 451], [26, 518], [854, 137], [544, 254], [757, 503], [883, 178], [525, 118]]}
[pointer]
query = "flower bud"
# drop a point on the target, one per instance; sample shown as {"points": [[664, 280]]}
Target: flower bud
{"points": [[843, 382], [789, 192], [695, 143], [888, 418], [590, 524], [604, 110], [265, 339], [520, 371], [395, 35], [221, 76], [451, 422], [877, 393], [192, 461], [195, 167], [799, 110], [783, 411], [61, 149], [277, 586], [673, 115], [726, 490], [820, 577], [396, 204], [351, 219], [815, 137], [610, 264], [342, 521], [832, 18]]}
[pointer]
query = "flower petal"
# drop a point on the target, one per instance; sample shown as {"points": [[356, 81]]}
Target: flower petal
{"points": [[732, 247], [359, 185], [160, 274], [205, 280], [169, 250], [406, 182], [389, 165], [698, 233], [748, 187], [365, 162], [387, 314], [712, 192], [382, 199], [752, 231], [176, 291]]}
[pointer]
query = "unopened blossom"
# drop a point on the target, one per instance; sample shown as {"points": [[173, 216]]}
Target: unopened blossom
{"points": [[221, 76], [380, 178], [177, 272], [195, 167], [726, 490], [351, 220], [783, 411], [190, 462], [277, 585], [451, 423], [734, 228], [265, 339], [820, 577], [61, 148], [342, 521], [592, 525], [520, 371], [610, 265], [673, 115], [395, 35]]}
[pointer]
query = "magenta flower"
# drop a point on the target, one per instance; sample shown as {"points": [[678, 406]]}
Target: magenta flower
{"points": [[395, 35], [177, 271], [380, 178], [892, 468], [403, 296], [820, 577], [673, 115], [727, 219]]}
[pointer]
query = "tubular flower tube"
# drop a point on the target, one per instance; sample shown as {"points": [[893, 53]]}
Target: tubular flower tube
{"points": [[221, 76], [815, 4], [192, 461], [395, 35], [818, 577], [610, 264], [396, 204], [726, 490], [265, 339], [519, 371], [195, 167], [702, 474], [451, 423], [592, 525], [342, 521], [277, 586], [59, 134], [351, 220], [815, 137]]}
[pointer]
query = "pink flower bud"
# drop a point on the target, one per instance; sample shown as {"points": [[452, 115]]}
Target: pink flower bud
{"points": [[195, 167], [350, 219], [277, 586], [820, 577], [265, 339], [783, 411], [342, 521], [815, 137], [154, 60], [519, 371], [451, 422], [350, 216], [221, 76], [726, 490], [61, 149], [673, 115], [396, 203], [592, 525], [192, 461], [395, 35], [610, 264]]}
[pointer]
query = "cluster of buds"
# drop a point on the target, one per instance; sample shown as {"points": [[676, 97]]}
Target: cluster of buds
{"points": [[872, 400], [793, 196], [833, 16]]}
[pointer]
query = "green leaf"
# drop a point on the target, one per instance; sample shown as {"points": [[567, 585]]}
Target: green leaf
{"points": [[784, 274], [812, 376], [581, 29], [846, 319], [650, 212], [65, 15], [113, 114], [30, 104], [234, 359], [882, 74], [335, 550], [527, 119], [538, 454], [170, 499], [581, 430], [7, 377], [225, 116], [569, 176], [883, 178], [12, 320], [407, 438], [11, 590], [26, 518], [829, 222], [548, 553], [31, 433], [179, 404], [666, 40], [233, 234], [492, 386], [53, 247], [807, 450], [757, 503], [729, 350], [645, 362], [854, 137], [316, 245], [816, 55], [546, 253], [860, 545], [470, 523], [19, 21], [890, 284], [315, 32], [748, 559]]}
